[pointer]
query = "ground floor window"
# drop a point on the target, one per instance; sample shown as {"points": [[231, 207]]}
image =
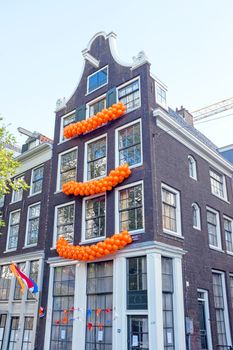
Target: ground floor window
{"points": [[138, 333], [13, 333], [2, 328], [27, 333]]}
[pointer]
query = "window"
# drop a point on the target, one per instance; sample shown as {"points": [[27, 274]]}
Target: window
{"points": [[196, 216], [136, 283], [218, 184], [12, 343], [99, 297], [130, 208], [5, 282], [2, 328], [129, 95], [17, 195], [96, 153], [192, 167], [67, 167], [17, 293], [13, 230], [138, 333], [37, 180], [219, 304], [33, 274], [160, 95], [63, 299], [204, 320], [171, 210], [97, 79], [168, 310], [129, 144], [33, 224], [228, 234], [27, 333], [96, 106], [94, 217], [231, 289], [66, 120], [213, 226], [64, 222]]}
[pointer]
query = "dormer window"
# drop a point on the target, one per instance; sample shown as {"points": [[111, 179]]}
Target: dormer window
{"points": [[97, 80]]}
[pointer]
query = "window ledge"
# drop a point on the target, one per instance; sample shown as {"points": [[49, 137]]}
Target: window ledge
{"points": [[10, 250], [220, 250], [228, 252], [34, 194], [137, 232], [174, 234], [193, 178], [222, 198], [15, 202], [33, 301], [99, 239], [53, 248], [196, 228], [29, 246], [4, 301], [59, 191]]}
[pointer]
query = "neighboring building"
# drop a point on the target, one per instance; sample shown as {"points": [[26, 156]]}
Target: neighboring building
{"points": [[227, 152], [22, 241]]}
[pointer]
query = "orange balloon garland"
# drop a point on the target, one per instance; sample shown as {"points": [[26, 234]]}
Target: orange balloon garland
{"points": [[95, 251], [97, 186], [116, 111]]}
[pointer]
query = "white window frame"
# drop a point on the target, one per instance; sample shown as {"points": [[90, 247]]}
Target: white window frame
{"points": [[8, 230], [177, 233], [27, 226], [88, 104], [219, 240], [55, 220], [161, 87], [117, 141], [197, 208], [194, 167], [117, 217], [13, 192], [128, 83], [59, 167], [61, 126], [97, 239], [207, 316], [85, 157], [223, 183], [31, 182], [89, 76], [231, 220]]}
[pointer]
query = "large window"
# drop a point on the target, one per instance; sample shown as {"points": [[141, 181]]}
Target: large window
{"points": [[37, 180], [2, 328], [129, 95], [13, 230], [33, 274], [228, 225], [99, 306], [97, 79], [63, 299], [66, 120], [94, 217], [171, 210], [213, 226], [64, 222], [13, 337], [96, 106], [231, 289], [33, 224], [136, 283], [196, 216], [218, 184], [192, 167], [96, 158], [5, 282], [17, 292], [204, 320], [130, 145], [67, 167], [27, 333], [138, 338], [167, 293], [130, 208], [17, 195]]}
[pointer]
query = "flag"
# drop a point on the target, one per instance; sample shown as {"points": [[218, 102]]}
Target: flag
{"points": [[30, 284], [41, 312]]}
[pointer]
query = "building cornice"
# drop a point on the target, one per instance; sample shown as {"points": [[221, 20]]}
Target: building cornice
{"points": [[22, 257]]}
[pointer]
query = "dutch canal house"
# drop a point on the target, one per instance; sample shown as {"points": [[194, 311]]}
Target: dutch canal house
{"points": [[172, 287]]}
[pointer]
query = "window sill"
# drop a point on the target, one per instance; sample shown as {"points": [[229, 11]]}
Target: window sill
{"points": [[28, 301], [228, 252], [15, 301], [174, 234], [137, 232], [58, 191], [93, 240], [15, 202], [222, 198], [10, 250], [99, 87], [216, 248], [34, 194], [131, 110], [196, 228], [30, 246], [193, 178]]}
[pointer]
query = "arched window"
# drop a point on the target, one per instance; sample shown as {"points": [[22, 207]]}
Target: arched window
{"points": [[192, 167], [196, 216]]}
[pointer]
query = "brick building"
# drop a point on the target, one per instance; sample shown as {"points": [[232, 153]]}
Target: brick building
{"points": [[172, 288]]}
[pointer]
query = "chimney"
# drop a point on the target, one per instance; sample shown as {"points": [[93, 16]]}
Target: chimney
{"points": [[188, 117]]}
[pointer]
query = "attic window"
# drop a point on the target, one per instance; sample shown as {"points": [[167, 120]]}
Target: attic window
{"points": [[97, 79]]}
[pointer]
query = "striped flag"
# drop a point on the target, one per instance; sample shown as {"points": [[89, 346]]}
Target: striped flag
{"points": [[30, 284]]}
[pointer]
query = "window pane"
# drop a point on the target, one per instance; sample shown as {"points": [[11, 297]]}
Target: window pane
{"points": [[5, 282], [96, 159], [219, 308], [17, 292], [130, 96], [95, 217], [33, 224], [68, 167], [97, 107], [65, 222], [13, 230], [216, 181], [37, 180], [129, 145], [137, 283], [97, 80], [138, 333]]}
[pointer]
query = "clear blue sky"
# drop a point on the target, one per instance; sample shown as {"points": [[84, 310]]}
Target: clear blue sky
{"points": [[189, 44]]}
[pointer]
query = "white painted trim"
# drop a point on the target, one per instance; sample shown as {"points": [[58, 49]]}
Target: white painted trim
{"points": [[219, 238], [113, 48], [55, 220], [162, 88], [97, 239], [117, 141], [59, 166], [91, 59], [231, 221], [32, 174], [128, 83], [26, 232], [8, 230], [182, 135], [61, 140], [20, 190], [91, 75], [192, 161], [117, 217], [207, 317], [197, 208], [85, 156], [223, 184], [88, 104], [178, 210], [226, 148]]}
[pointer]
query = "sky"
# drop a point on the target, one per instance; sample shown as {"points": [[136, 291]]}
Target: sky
{"points": [[188, 43]]}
